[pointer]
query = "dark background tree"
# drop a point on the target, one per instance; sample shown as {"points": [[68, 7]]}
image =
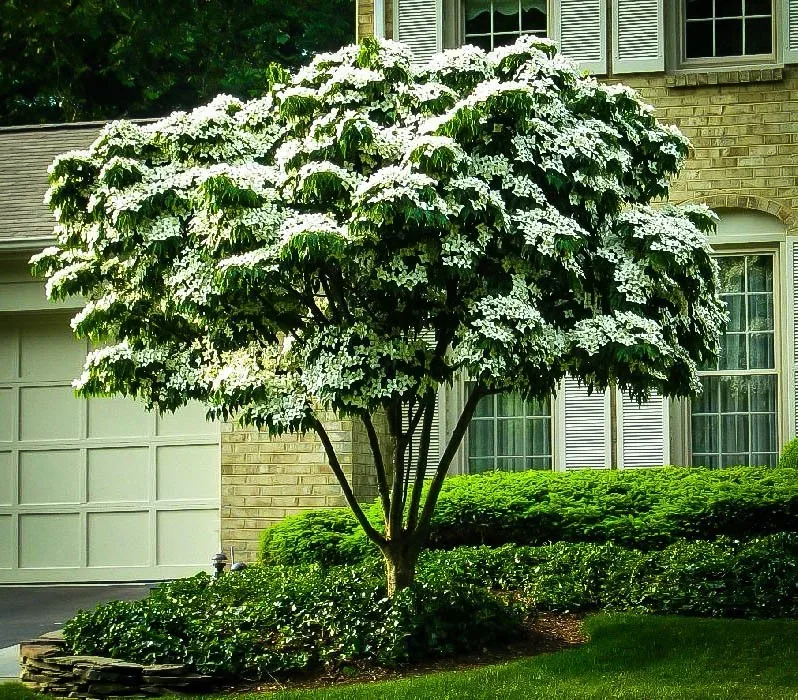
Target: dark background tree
{"points": [[76, 60]]}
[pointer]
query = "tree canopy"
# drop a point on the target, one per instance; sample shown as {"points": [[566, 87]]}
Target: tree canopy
{"points": [[77, 60], [366, 233]]}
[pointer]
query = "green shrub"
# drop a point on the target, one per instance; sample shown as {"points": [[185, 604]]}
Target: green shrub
{"points": [[788, 459], [644, 509], [756, 578], [261, 622]]}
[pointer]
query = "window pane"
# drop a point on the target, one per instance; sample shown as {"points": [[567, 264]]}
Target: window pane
{"points": [[705, 434], [698, 39], [699, 8], [761, 353], [483, 42], [477, 17], [477, 466], [708, 401], [538, 463], [506, 16], [480, 438], [510, 405], [729, 37], [711, 461], [510, 437], [538, 437], [764, 459], [732, 273], [484, 407], [758, 36], [763, 393], [735, 303], [760, 312], [732, 352], [728, 8], [533, 15], [510, 464], [760, 273], [758, 7], [734, 435], [734, 394], [763, 432], [734, 460]]}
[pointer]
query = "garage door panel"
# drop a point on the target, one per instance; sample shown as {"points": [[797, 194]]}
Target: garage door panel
{"points": [[6, 539], [187, 472], [174, 547], [5, 478], [118, 474], [49, 540], [119, 539], [49, 413], [48, 351], [79, 479], [189, 420], [8, 356], [50, 476], [7, 415], [118, 418]]}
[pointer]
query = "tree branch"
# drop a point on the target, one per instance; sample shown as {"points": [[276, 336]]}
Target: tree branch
{"points": [[421, 464], [379, 464], [397, 500], [335, 465], [443, 466]]}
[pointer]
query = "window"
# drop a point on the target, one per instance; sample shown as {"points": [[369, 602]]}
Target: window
{"points": [[510, 434], [727, 28], [735, 421], [492, 23]]}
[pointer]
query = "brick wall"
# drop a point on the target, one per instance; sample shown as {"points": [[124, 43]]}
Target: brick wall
{"points": [[365, 18], [265, 479], [744, 136]]}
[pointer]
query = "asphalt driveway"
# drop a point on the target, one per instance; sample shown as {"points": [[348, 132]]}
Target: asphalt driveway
{"points": [[28, 611]]}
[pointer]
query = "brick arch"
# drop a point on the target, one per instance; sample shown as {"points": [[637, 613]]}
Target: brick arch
{"points": [[739, 201]]}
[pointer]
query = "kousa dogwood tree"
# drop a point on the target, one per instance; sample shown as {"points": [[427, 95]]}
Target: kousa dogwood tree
{"points": [[366, 233]]}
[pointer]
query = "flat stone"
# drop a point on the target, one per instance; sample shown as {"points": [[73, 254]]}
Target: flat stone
{"points": [[165, 670], [55, 634]]}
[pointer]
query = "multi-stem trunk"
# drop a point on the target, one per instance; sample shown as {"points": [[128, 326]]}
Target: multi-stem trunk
{"points": [[400, 562]]}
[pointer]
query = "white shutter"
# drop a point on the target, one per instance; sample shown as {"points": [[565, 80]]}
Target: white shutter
{"points": [[580, 30], [419, 24], [643, 432], [435, 441], [790, 24], [586, 423], [638, 36]]}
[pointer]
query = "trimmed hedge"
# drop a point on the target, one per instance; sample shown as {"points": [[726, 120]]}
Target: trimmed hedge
{"points": [[643, 509], [724, 578], [260, 622]]}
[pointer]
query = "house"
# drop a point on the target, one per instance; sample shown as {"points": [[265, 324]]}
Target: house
{"points": [[99, 490]]}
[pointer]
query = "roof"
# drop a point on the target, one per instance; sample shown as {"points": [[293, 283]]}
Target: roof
{"points": [[25, 154]]}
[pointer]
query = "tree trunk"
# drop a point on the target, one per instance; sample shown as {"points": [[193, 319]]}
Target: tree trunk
{"points": [[400, 567]]}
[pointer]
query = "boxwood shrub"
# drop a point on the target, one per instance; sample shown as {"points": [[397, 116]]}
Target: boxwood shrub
{"points": [[260, 622], [643, 509], [729, 578]]}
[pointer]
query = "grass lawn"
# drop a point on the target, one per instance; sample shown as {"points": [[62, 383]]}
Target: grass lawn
{"points": [[628, 656]]}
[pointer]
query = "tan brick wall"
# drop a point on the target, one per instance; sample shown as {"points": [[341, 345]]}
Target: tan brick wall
{"points": [[745, 141], [265, 479], [364, 18]]}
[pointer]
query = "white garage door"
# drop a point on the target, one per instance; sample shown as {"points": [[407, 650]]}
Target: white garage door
{"points": [[97, 490]]}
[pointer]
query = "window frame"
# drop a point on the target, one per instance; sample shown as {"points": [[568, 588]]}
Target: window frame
{"points": [[494, 419], [457, 23], [721, 62], [779, 369]]}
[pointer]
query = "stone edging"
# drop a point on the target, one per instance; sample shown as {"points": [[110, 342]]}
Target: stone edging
{"points": [[47, 667]]}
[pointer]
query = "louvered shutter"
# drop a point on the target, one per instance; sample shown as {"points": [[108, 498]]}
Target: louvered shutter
{"points": [[790, 10], [643, 433], [435, 442], [586, 422], [638, 36], [580, 30], [419, 24]]}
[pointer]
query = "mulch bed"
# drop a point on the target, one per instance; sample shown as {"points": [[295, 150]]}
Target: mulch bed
{"points": [[543, 633]]}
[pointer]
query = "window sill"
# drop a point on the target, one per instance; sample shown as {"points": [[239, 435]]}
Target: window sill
{"points": [[725, 76]]}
